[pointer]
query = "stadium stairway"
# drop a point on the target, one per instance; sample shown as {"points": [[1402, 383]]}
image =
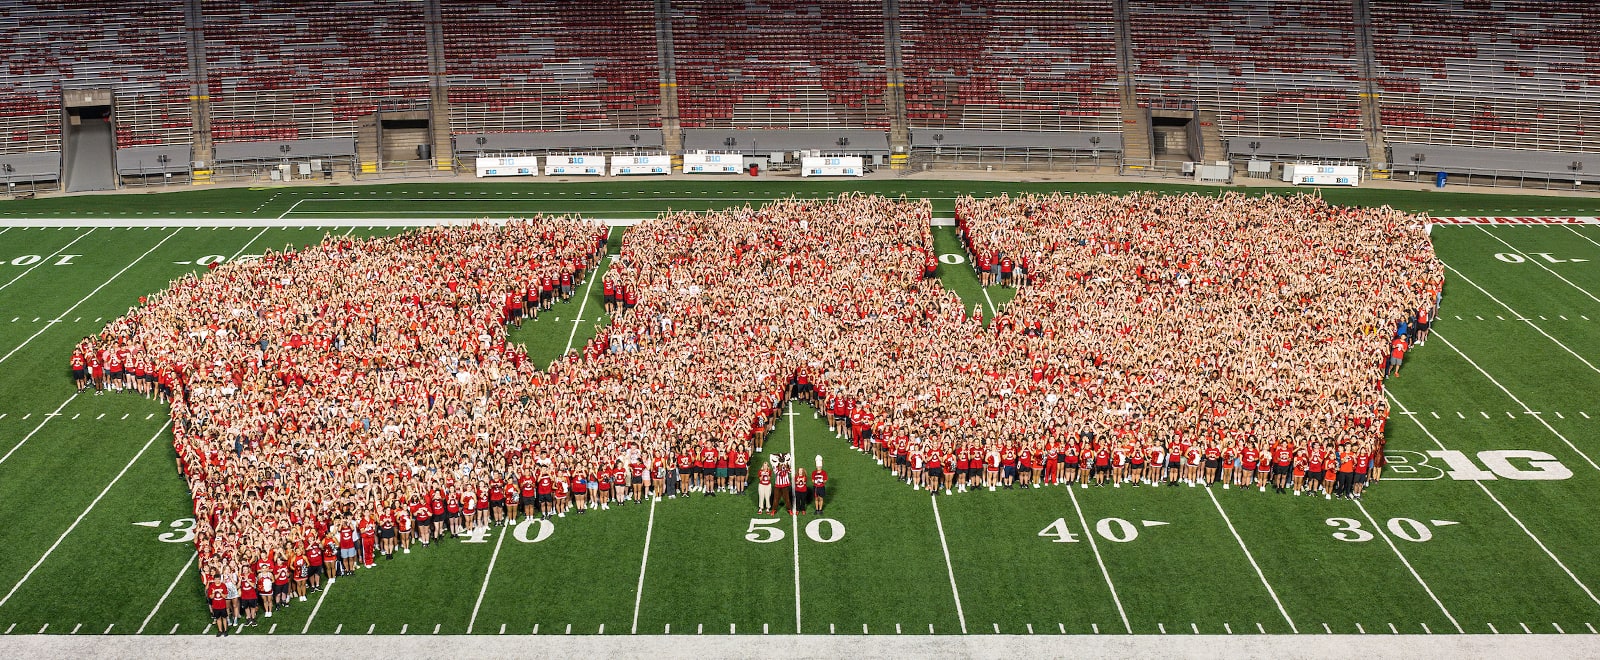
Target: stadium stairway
{"points": [[89, 156]]}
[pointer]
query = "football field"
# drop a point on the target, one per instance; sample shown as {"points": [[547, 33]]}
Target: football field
{"points": [[1480, 524]]}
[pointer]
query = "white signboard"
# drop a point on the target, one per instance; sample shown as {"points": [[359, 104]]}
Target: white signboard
{"points": [[831, 166], [514, 166], [641, 165], [1322, 175], [589, 164], [712, 163]]}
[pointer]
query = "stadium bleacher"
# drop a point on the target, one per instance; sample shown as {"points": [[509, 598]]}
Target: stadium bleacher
{"points": [[1514, 74], [1010, 64], [283, 70], [522, 65], [769, 64], [1267, 69], [136, 47]]}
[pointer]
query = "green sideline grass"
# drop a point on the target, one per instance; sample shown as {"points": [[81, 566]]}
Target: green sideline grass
{"points": [[889, 568]]}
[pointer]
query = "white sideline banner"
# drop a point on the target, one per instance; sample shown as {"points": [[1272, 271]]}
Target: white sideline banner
{"points": [[831, 166], [641, 165], [508, 166], [1321, 175], [586, 164], [712, 163]]}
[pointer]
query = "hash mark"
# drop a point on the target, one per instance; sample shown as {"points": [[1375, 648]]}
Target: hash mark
{"points": [[1480, 318], [338, 629], [1559, 415], [1394, 630], [102, 415], [1162, 626], [700, 629], [502, 629], [1558, 627], [1493, 629], [1063, 627], [930, 628], [8, 629], [1564, 317], [270, 631], [1485, 415], [1508, 414], [125, 415], [174, 630], [764, 628], [602, 629], [149, 415], [75, 415], [1194, 626], [1228, 628], [1363, 630], [863, 628], [436, 628], [1458, 317], [25, 416], [1525, 628], [108, 629], [1436, 415], [1326, 629], [1095, 627], [1261, 628], [75, 629], [375, 626], [536, 628], [996, 628], [41, 629], [1590, 626], [1425, 629]]}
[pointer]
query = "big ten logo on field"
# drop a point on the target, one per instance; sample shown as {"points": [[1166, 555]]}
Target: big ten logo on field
{"points": [[1516, 464]]}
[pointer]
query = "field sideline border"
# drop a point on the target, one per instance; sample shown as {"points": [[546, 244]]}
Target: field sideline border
{"points": [[218, 222], [656, 647]]}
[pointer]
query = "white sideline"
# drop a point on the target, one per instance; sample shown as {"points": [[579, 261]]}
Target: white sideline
{"points": [[1497, 501], [1100, 560], [97, 289], [960, 615], [164, 596], [83, 515], [1516, 400], [46, 259], [318, 607], [1520, 317], [1538, 262], [1381, 534], [1253, 564]]}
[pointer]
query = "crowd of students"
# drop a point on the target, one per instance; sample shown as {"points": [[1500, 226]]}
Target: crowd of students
{"points": [[358, 398]]}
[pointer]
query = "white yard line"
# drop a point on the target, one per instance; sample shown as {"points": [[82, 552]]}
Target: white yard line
{"points": [[1101, 560], [1253, 564], [1522, 318], [1403, 560], [292, 207], [584, 304], [1539, 263], [1581, 235], [939, 522], [253, 239], [989, 300], [318, 607], [638, 592], [170, 587], [91, 295], [795, 520], [83, 515], [1518, 401], [46, 259], [504, 532], [47, 419], [1500, 504]]}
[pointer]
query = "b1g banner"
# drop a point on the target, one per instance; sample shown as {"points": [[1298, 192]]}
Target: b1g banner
{"points": [[712, 163], [1322, 175], [588, 164], [831, 166], [641, 165], [511, 166]]}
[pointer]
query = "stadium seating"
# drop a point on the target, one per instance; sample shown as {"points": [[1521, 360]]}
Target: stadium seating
{"points": [[136, 47], [1518, 74], [770, 64], [283, 70], [1010, 64], [519, 65], [1267, 69]]}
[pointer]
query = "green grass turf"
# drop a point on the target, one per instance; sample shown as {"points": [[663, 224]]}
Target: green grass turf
{"points": [[889, 567]]}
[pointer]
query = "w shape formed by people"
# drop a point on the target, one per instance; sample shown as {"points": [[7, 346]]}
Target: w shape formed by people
{"points": [[363, 394]]}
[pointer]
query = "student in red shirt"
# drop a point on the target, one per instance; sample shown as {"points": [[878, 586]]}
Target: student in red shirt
{"points": [[218, 595]]}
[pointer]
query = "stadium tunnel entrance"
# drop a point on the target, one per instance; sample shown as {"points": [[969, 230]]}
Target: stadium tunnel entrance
{"points": [[88, 139]]}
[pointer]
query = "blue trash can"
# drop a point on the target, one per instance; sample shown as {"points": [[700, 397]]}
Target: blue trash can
{"points": [[1439, 179]]}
